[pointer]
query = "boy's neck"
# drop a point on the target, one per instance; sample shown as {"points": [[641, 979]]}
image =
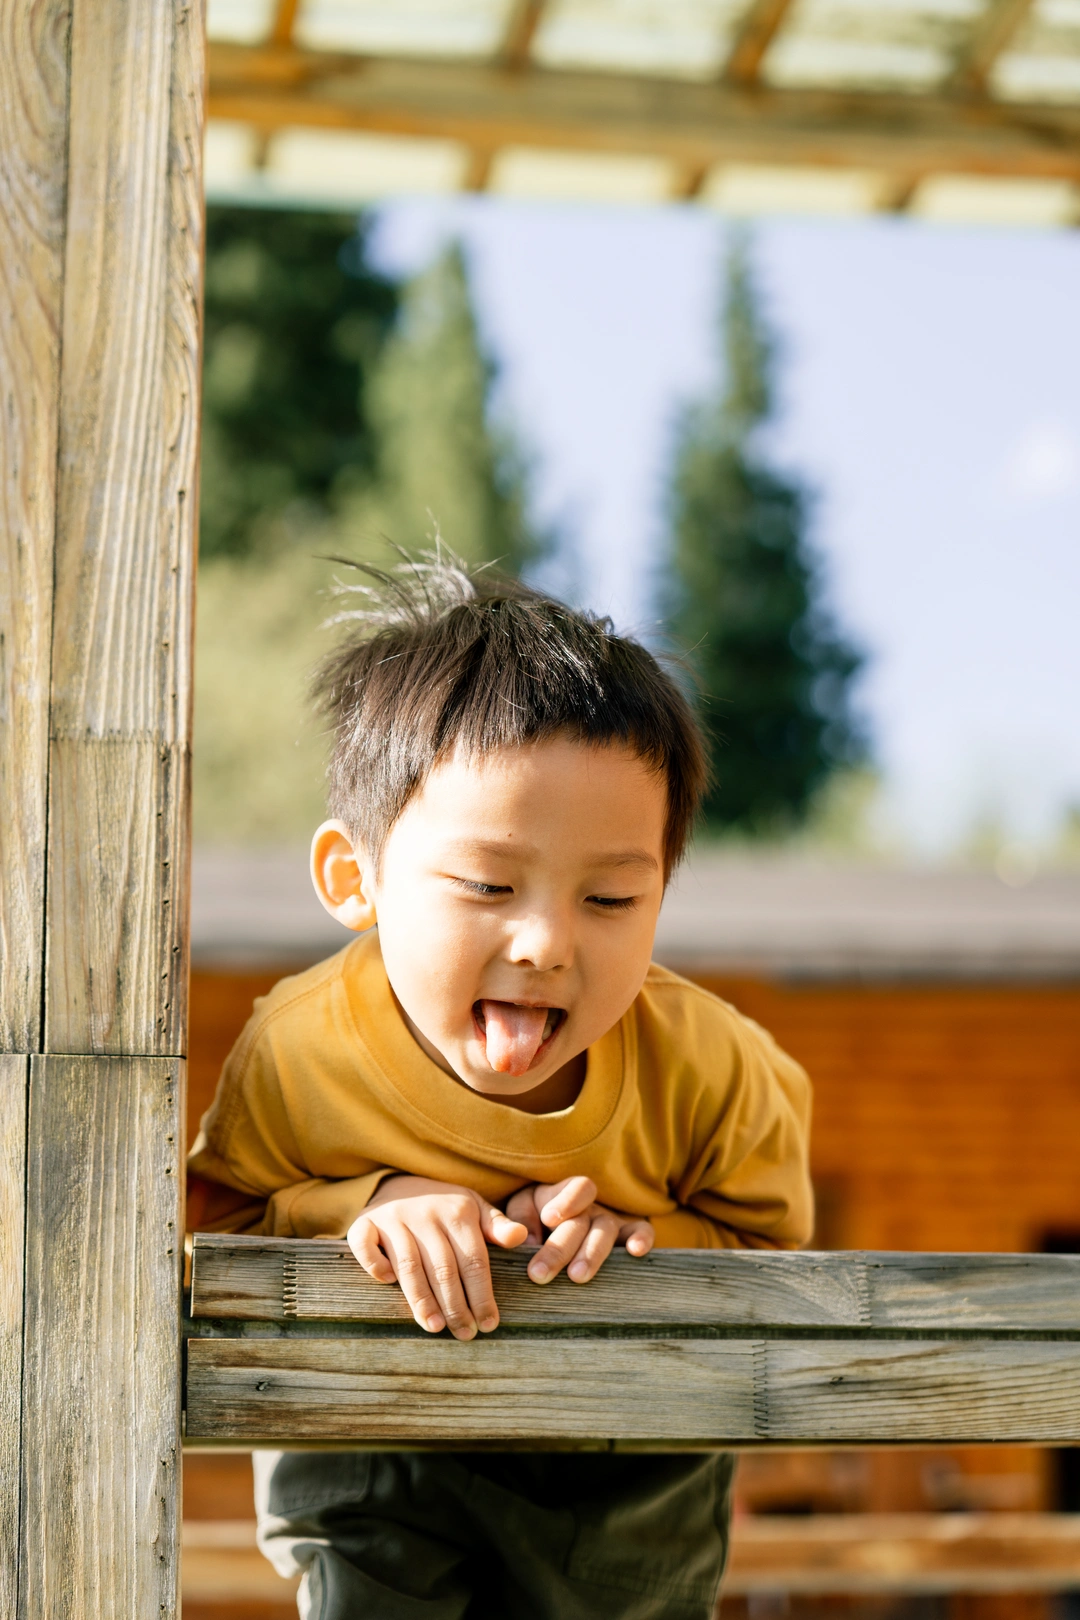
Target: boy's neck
{"points": [[560, 1090]]}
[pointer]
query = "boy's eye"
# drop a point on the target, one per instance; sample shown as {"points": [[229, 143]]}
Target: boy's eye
{"points": [[484, 889], [610, 902]]}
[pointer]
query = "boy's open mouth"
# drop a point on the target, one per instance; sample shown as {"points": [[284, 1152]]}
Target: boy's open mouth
{"points": [[514, 1036]]}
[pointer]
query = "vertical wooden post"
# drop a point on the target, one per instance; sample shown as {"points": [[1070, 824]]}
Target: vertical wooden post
{"points": [[100, 278]]}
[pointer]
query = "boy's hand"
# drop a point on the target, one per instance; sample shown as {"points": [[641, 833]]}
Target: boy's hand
{"points": [[432, 1238], [582, 1232]]}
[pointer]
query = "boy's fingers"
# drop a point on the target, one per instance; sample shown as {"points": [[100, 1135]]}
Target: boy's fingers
{"points": [[638, 1237], [364, 1243], [440, 1263], [414, 1280], [566, 1199], [561, 1246], [508, 1231], [521, 1207], [598, 1244], [474, 1272]]}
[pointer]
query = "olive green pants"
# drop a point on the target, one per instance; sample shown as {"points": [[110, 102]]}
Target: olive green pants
{"points": [[496, 1536]]}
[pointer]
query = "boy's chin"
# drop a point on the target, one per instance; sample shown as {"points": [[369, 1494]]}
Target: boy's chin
{"points": [[491, 1084]]}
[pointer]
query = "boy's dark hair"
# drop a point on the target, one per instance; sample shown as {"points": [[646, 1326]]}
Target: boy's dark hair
{"points": [[445, 656]]}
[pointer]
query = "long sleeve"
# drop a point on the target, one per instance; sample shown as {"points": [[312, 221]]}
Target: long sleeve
{"points": [[746, 1180], [247, 1170]]}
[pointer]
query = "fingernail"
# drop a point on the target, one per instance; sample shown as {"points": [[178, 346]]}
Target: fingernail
{"points": [[538, 1271], [579, 1271], [489, 1324], [465, 1333], [434, 1324]]}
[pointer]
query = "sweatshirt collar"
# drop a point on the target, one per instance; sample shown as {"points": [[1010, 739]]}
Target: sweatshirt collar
{"points": [[452, 1109]]}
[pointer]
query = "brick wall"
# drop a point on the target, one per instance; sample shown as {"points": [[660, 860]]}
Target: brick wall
{"points": [[946, 1117]]}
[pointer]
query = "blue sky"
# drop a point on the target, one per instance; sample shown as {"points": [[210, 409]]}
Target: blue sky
{"points": [[929, 392]]}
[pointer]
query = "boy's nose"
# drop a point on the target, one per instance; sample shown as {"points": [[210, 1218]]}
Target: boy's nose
{"points": [[543, 941]]}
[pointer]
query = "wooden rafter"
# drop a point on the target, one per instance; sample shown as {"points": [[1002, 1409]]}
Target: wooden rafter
{"points": [[692, 125], [525, 18], [688, 182], [755, 34], [990, 38], [898, 192], [285, 14], [478, 169]]}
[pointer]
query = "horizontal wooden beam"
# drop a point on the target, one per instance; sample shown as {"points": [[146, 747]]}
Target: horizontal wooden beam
{"points": [[904, 1552], [487, 107], [276, 1279], [291, 1342], [670, 1392], [830, 1553]]}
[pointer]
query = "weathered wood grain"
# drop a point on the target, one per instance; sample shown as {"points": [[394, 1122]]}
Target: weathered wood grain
{"points": [[974, 1292], [920, 1390], [904, 1552], [13, 1078], [101, 1385], [117, 866], [101, 1408], [510, 1390], [280, 1278], [677, 1392], [274, 1279], [121, 684], [33, 131]]}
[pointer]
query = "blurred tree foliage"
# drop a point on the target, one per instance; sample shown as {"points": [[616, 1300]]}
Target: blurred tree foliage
{"points": [[745, 601], [338, 414], [295, 317], [259, 757], [443, 463]]}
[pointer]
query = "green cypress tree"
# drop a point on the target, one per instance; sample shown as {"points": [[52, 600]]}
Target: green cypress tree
{"points": [[443, 465], [294, 319], [745, 599]]}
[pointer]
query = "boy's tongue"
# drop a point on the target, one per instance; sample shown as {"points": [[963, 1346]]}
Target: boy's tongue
{"points": [[512, 1035]]}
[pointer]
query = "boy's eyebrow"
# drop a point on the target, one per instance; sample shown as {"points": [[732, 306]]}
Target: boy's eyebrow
{"points": [[499, 848], [628, 857]]}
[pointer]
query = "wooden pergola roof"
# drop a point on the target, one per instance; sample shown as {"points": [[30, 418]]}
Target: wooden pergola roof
{"points": [[966, 109]]}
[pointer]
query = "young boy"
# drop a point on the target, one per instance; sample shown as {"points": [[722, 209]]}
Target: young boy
{"points": [[495, 1061]]}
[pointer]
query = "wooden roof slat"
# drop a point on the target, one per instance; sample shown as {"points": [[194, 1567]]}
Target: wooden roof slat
{"points": [[285, 14], [485, 108], [525, 19], [990, 38], [755, 34]]}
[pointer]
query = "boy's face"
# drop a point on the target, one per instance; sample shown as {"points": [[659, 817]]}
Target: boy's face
{"points": [[516, 901]]}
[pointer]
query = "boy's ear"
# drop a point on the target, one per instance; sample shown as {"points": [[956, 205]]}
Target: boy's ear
{"points": [[342, 879]]}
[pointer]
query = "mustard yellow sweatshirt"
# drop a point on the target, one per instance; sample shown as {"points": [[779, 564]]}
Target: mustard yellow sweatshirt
{"points": [[690, 1115]]}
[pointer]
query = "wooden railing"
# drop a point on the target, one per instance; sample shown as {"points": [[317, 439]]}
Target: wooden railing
{"points": [[290, 1343]]}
